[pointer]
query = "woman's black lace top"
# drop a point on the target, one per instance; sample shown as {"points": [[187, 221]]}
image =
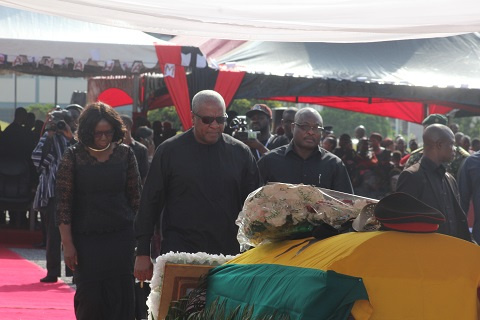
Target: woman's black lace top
{"points": [[94, 196]]}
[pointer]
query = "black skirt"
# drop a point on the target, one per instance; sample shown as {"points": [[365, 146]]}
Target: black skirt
{"points": [[104, 275]]}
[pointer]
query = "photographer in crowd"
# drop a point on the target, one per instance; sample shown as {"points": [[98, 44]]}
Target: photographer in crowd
{"points": [[60, 126], [260, 116]]}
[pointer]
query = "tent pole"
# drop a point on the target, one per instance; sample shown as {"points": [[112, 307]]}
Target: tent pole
{"points": [[425, 110], [15, 90], [135, 93], [56, 91]]}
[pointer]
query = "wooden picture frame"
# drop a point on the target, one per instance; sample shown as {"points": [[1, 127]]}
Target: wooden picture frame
{"points": [[178, 280]]}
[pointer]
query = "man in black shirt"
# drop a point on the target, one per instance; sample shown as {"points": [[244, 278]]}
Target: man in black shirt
{"points": [[260, 116], [141, 152], [428, 181], [303, 161], [288, 117], [196, 187]]}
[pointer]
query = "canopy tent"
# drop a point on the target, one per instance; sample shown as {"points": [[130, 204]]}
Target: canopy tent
{"points": [[395, 78], [34, 43], [404, 79], [344, 21], [48, 45], [292, 79]]}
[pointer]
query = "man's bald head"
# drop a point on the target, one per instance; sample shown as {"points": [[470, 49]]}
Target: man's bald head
{"points": [[308, 112], [436, 132], [438, 143], [360, 132]]}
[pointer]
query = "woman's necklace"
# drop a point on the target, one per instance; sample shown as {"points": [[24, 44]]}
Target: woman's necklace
{"points": [[100, 150]]}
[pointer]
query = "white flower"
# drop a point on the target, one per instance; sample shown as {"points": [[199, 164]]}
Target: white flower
{"points": [[274, 211], [153, 301]]}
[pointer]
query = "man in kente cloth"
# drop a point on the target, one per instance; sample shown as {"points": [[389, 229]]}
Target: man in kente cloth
{"points": [[195, 188]]}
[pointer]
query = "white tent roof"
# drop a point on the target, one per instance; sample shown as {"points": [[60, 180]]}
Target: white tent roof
{"points": [[275, 20], [36, 35]]}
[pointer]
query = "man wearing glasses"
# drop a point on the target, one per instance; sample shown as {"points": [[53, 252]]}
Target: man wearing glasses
{"points": [[195, 188], [303, 160]]}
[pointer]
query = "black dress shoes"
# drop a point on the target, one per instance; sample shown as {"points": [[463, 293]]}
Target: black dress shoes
{"points": [[49, 279]]}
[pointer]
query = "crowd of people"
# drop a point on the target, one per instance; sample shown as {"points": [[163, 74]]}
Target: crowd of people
{"points": [[108, 184]]}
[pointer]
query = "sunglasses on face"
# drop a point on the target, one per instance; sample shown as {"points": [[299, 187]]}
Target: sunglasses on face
{"points": [[209, 120], [306, 127], [99, 134]]}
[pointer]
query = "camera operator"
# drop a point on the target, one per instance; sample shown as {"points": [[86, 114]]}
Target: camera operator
{"points": [[60, 126], [260, 116]]}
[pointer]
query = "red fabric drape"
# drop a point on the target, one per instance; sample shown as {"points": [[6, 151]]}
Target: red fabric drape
{"points": [[170, 57], [227, 84], [405, 110]]}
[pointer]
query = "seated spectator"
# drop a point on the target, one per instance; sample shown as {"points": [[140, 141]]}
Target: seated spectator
{"points": [[288, 117], [140, 150], [157, 132], [145, 136], [364, 181], [359, 132], [475, 144], [401, 146], [384, 166], [381, 153], [37, 130], [395, 170], [388, 144], [465, 143], [329, 143], [458, 138], [168, 131], [140, 121], [412, 145], [346, 153], [327, 131], [280, 131]]}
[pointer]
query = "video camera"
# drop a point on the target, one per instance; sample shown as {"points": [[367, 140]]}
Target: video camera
{"points": [[59, 119], [240, 129]]}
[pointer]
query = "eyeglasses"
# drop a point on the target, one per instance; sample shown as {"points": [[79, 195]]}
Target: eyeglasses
{"points": [[209, 120], [99, 134], [307, 127]]}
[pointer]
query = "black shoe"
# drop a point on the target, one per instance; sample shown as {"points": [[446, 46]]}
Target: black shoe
{"points": [[49, 279], [40, 245]]}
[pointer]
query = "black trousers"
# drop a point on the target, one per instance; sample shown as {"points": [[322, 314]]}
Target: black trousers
{"points": [[54, 243], [109, 299]]}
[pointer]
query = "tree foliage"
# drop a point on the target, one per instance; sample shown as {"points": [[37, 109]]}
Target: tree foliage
{"points": [[165, 114], [469, 126], [40, 110]]}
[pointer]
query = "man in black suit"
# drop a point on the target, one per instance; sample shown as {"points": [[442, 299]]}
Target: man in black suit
{"points": [[429, 182]]}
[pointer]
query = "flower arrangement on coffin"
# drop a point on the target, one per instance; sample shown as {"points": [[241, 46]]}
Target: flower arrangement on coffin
{"points": [[199, 258], [280, 211]]}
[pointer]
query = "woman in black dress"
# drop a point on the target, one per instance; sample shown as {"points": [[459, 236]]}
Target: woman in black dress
{"points": [[98, 193]]}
